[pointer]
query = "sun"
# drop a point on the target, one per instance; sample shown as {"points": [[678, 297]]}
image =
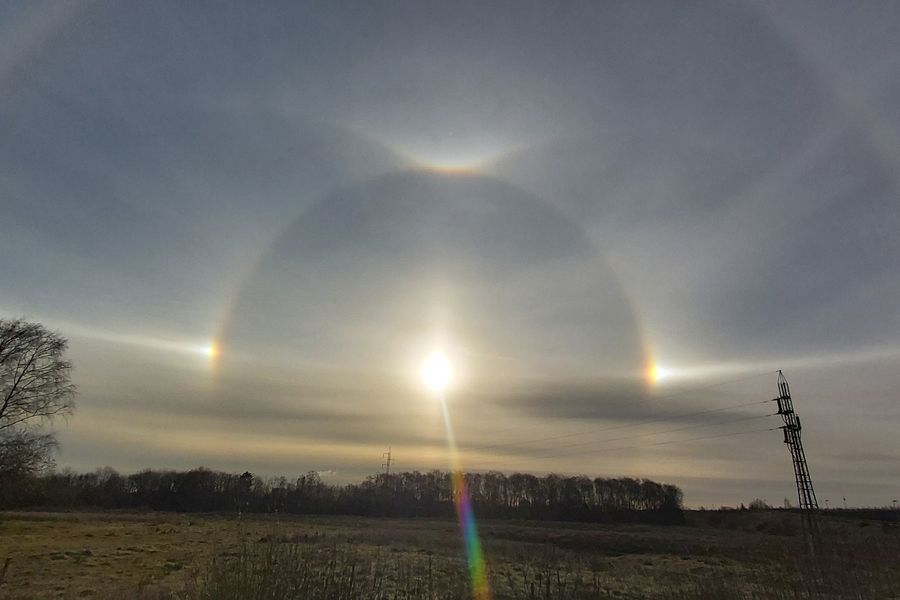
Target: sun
{"points": [[437, 372]]}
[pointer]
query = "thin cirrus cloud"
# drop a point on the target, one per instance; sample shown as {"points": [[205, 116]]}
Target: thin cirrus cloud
{"points": [[260, 220]]}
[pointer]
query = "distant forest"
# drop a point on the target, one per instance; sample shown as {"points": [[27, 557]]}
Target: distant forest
{"points": [[408, 494]]}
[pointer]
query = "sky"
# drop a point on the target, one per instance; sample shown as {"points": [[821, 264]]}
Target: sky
{"points": [[616, 220]]}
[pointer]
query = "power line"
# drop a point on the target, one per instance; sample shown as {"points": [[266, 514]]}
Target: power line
{"points": [[705, 437], [624, 426], [663, 443], [727, 422], [643, 422], [635, 436], [713, 385], [484, 466], [681, 392]]}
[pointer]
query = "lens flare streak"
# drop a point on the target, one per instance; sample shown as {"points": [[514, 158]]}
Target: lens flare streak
{"points": [[466, 515], [477, 571]]}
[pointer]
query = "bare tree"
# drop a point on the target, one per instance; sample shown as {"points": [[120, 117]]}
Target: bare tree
{"points": [[25, 452], [35, 387], [34, 377]]}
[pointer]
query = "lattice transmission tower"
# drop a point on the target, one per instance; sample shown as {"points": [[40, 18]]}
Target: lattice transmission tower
{"points": [[805, 492], [386, 465]]}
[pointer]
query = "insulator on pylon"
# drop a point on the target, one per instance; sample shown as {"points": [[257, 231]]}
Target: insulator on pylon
{"points": [[791, 429]]}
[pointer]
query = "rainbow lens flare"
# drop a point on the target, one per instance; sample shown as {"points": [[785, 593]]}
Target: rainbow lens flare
{"points": [[462, 500], [477, 571]]}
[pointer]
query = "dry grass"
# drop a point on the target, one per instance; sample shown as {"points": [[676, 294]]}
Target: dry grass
{"points": [[165, 556]]}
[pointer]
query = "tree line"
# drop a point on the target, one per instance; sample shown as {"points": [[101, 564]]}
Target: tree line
{"points": [[36, 388], [407, 494]]}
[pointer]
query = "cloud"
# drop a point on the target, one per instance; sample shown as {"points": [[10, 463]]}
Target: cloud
{"points": [[556, 193]]}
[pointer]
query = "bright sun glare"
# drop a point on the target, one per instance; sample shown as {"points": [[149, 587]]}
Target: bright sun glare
{"points": [[437, 373], [660, 373], [211, 351]]}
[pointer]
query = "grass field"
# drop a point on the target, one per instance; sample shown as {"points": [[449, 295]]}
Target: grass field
{"points": [[164, 555]]}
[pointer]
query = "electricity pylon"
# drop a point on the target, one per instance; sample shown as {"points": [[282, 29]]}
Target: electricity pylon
{"points": [[791, 429], [386, 465]]}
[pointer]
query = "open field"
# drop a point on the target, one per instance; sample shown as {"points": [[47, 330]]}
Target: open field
{"points": [[164, 555]]}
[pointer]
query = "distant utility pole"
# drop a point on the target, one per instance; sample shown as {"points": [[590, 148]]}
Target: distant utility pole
{"points": [[386, 465], [791, 428]]}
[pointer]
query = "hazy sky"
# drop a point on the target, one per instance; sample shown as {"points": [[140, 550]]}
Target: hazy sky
{"points": [[254, 222]]}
